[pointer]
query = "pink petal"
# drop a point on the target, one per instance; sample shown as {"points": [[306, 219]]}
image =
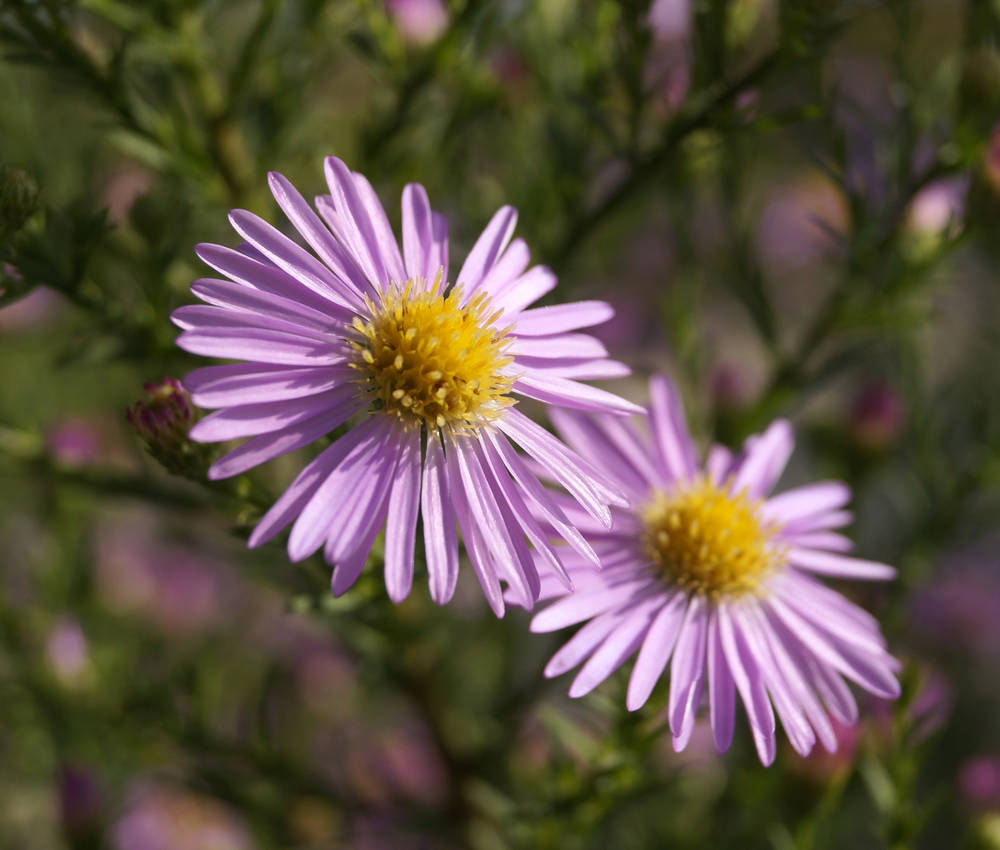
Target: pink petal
{"points": [[797, 728], [475, 545], [582, 481], [261, 346], [350, 565], [688, 667], [721, 690], [582, 605], [582, 644], [504, 541], [299, 492], [440, 537], [362, 448], [424, 250], [614, 651], [749, 683], [832, 564], [656, 650], [765, 460], [511, 265], [289, 256], [525, 290], [266, 447], [249, 420], [560, 318], [401, 527], [242, 383], [259, 273], [718, 464], [207, 320], [563, 392], [361, 487], [562, 345], [857, 665], [584, 435], [573, 367], [353, 223], [541, 498], [352, 284], [236, 296], [385, 239], [670, 432], [489, 246], [795, 505]]}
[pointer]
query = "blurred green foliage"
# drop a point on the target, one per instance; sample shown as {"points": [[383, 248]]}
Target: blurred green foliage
{"points": [[794, 207]]}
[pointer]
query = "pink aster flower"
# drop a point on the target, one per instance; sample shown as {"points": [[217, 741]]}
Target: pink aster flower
{"points": [[427, 373], [708, 573]]}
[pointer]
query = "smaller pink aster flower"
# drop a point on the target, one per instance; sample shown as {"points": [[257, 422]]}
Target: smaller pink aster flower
{"points": [[709, 574], [427, 372]]}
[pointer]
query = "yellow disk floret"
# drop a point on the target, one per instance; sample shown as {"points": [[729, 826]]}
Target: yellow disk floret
{"points": [[709, 541], [428, 359]]}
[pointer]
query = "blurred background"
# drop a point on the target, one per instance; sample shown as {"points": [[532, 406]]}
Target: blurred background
{"points": [[794, 207]]}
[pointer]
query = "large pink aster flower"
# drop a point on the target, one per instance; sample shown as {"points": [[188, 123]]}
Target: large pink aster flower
{"points": [[708, 574], [428, 373]]}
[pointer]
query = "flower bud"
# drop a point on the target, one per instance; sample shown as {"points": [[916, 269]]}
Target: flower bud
{"points": [[163, 420], [877, 416]]}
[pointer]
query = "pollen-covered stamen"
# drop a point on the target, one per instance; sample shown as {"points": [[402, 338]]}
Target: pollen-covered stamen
{"points": [[427, 358], [710, 541]]}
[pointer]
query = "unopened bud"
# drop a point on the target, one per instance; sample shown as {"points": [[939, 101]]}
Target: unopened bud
{"points": [[877, 416], [163, 420]]}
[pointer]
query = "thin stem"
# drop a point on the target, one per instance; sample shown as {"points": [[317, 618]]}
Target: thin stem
{"points": [[647, 167]]}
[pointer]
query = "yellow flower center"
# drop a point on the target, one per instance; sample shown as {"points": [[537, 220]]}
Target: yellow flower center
{"points": [[709, 541], [428, 359]]}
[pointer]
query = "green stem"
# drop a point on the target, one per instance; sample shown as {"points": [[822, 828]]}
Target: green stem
{"points": [[648, 166]]}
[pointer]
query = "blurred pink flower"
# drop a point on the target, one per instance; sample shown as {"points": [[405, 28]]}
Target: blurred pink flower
{"points": [[74, 442], [979, 783], [397, 762], [927, 712], [670, 19], [169, 819], [419, 21], [957, 611], [794, 225], [931, 707], [37, 309], [412, 766], [937, 209], [178, 589], [67, 653], [668, 72]]}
